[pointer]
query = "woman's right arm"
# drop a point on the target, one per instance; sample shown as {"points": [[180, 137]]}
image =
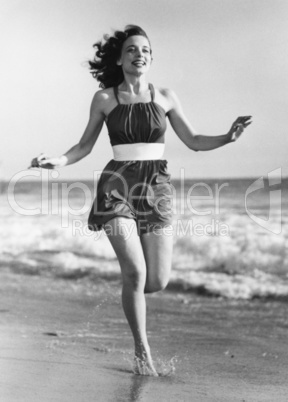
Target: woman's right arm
{"points": [[86, 143]]}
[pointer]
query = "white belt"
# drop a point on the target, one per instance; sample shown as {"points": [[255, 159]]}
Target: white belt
{"points": [[138, 151]]}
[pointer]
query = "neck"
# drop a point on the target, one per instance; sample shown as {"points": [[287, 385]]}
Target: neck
{"points": [[134, 85]]}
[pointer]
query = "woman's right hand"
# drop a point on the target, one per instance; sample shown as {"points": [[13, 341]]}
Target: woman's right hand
{"points": [[48, 162]]}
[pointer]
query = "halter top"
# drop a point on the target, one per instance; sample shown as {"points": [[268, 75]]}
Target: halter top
{"points": [[130, 123]]}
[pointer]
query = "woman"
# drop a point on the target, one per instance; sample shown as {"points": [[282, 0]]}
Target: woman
{"points": [[134, 190]]}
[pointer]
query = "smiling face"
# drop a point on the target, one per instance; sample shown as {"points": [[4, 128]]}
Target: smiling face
{"points": [[135, 55]]}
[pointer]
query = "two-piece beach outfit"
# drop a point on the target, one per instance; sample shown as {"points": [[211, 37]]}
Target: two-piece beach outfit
{"points": [[135, 184]]}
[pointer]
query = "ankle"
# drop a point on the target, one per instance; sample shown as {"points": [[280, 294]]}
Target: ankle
{"points": [[142, 351], [143, 365]]}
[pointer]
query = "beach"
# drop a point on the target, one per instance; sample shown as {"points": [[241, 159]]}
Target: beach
{"points": [[69, 341], [217, 333]]}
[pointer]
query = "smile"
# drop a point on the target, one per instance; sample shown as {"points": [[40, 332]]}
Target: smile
{"points": [[138, 63]]}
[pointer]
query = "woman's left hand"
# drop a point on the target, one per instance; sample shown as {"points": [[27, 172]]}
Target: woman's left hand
{"points": [[238, 127]]}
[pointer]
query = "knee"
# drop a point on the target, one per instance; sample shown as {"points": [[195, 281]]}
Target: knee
{"points": [[134, 278], [156, 286]]}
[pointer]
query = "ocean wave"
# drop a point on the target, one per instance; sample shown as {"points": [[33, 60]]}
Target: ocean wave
{"points": [[247, 262]]}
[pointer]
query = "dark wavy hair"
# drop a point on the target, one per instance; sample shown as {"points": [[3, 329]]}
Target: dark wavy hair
{"points": [[104, 66]]}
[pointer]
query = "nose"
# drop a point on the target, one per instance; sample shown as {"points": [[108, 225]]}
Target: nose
{"points": [[140, 53]]}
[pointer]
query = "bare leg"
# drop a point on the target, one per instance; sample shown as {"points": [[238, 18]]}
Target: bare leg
{"points": [[129, 251], [157, 247]]}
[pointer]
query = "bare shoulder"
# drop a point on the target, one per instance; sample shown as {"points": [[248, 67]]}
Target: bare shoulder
{"points": [[168, 98], [169, 94], [102, 100]]}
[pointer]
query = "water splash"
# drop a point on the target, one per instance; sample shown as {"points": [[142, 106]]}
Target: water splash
{"points": [[164, 367]]}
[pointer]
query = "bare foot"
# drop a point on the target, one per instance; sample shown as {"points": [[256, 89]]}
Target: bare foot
{"points": [[143, 364]]}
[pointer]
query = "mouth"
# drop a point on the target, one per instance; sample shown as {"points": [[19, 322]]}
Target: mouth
{"points": [[139, 63]]}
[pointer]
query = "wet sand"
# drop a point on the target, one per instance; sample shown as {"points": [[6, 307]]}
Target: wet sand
{"points": [[67, 340]]}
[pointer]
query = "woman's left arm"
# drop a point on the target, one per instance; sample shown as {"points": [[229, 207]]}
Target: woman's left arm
{"points": [[199, 142]]}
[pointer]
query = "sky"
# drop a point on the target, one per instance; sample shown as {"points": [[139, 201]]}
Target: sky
{"points": [[223, 58]]}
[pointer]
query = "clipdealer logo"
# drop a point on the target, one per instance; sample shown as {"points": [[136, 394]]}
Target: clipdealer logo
{"points": [[60, 205], [271, 224]]}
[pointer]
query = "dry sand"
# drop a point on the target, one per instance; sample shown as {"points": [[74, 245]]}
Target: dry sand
{"points": [[65, 340]]}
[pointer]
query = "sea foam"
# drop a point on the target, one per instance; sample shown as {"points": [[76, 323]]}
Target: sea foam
{"points": [[246, 261]]}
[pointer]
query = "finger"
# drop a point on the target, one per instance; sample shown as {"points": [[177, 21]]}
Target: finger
{"points": [[237, 126], [244, 121], [41, 157], [46, 161], [34, 163], [243, 118]]}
